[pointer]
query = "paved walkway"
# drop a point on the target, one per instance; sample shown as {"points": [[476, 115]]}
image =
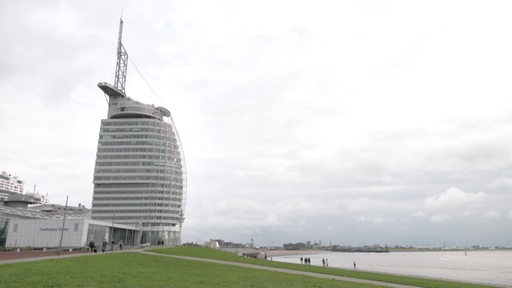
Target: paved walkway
{"points": [[282, 270], [43, 257]]}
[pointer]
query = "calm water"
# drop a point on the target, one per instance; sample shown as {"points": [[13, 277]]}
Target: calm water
{"points": [[490, 267]]}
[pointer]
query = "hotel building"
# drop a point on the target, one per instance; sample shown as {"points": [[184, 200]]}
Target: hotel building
{"points": [[139, 176]]}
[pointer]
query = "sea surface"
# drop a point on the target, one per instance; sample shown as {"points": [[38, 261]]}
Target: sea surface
{"points": [[487, 267]]}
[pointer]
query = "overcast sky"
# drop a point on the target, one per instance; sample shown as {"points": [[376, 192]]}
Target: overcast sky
{"points": [[347, 122]]}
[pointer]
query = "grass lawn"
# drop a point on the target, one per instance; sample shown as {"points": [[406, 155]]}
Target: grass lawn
{"points": [[221, 255], [142, 270], [132, 269]]}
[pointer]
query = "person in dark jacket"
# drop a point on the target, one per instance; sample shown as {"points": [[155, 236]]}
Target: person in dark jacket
{"points": [[91, 245]]}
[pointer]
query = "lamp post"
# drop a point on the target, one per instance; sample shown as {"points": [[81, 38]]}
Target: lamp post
{"points": [[63, 223]]}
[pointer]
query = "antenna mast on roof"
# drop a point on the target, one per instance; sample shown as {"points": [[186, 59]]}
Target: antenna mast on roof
{"points": [[118, 89], [122, 61]]}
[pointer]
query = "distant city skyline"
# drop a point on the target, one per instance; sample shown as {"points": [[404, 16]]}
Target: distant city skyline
{"points": [[359, 123]]}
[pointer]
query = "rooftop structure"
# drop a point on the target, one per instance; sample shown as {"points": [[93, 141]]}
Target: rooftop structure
{"points": [[139, 176], [47, 211]]}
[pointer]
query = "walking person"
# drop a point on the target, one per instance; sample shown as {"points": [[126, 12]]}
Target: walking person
{"points": [[104, 246], [91, 245], [355, 265]]}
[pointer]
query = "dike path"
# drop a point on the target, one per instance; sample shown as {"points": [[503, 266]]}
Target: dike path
{"points": [[250, 266]]}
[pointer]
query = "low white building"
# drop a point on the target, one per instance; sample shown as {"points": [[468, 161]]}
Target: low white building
{"points": [[47, 233]]}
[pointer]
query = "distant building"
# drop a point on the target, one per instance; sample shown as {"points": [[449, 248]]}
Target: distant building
{"points": [[212, 244], [228, 244], [12, 187], [139, 176], [296, 246], [10, 183]]}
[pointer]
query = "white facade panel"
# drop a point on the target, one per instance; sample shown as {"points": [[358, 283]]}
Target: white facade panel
{"points": [[45, 233]]}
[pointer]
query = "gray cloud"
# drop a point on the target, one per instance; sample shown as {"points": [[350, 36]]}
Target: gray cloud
{"points": [[333, 122]]}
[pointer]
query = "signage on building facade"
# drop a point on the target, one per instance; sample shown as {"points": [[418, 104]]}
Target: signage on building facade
{"points": [[52, 229]]}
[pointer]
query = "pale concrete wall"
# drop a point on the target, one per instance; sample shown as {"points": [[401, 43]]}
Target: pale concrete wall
{"points": [[39, 233]]}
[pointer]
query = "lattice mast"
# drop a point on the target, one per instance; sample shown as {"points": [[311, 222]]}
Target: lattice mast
{"points": [[122, 61]]}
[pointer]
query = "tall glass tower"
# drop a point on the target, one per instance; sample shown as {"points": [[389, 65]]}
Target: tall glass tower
{"points": [[139, 176]]}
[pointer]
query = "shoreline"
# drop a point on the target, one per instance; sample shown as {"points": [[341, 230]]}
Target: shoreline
{"points": [[449, 265], [274, 253], [282, 253]]}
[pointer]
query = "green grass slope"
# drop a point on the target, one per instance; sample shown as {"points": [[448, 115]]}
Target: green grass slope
{"points": [[201, 252], [142, 270], [133, 269]]}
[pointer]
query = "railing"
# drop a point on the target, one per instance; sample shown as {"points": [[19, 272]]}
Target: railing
{"points": [[148, 111]]}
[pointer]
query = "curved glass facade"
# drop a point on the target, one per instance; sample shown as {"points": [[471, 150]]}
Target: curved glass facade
{"points": [[139, 176]]}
